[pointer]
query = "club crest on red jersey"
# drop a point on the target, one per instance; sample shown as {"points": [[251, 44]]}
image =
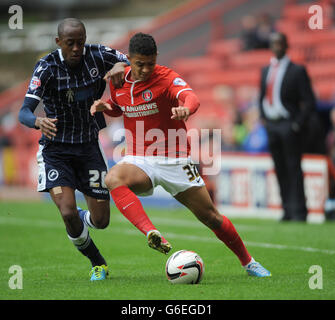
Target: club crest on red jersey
{"points": [[147, 95]]}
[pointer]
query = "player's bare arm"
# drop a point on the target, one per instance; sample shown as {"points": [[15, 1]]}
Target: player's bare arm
{"points": [[116, 74], [47, 126], [99, 106]]}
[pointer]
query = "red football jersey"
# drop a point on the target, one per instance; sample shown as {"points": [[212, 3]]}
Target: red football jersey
{"points": [[146, 108]]}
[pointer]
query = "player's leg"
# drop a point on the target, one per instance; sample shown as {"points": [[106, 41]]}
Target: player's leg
{"points": [[197, 200], [57, 175], [276, 147], [98, 213], [124, 181], [64, 198]]}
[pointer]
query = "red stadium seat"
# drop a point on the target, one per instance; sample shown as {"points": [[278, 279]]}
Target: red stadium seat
{"points": [[186, 67], [322, 70], [223, 49], [324, 53], [227, 77], [296, 12], [251, 59], [288, 26], [303, 39], [325, 89]]}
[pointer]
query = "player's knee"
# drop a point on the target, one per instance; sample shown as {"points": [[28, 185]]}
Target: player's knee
{"points": [[101, 222], [114, 180], [69, 215]]}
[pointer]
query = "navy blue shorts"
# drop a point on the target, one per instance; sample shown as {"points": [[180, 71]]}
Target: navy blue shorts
{"points": [[78, 166]]}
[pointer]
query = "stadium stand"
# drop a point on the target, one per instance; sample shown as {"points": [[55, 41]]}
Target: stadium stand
{"points": [[200, 40]]}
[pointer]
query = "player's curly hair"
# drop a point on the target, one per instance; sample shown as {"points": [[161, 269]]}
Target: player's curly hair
{"points": [[142, 43]]}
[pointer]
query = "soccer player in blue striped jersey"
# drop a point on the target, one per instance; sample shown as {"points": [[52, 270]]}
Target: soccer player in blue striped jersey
{"points": [[68, 81]]}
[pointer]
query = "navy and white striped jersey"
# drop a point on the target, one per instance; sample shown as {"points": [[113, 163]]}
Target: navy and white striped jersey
{"points": [[68, 93]]}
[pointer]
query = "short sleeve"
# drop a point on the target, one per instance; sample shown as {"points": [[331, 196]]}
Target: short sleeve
{"points": [[112, 56], [176, 85], [39, 80]]}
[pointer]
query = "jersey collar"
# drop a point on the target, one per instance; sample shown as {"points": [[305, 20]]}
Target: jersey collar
{"points": [[61, 55], [127, 77]]}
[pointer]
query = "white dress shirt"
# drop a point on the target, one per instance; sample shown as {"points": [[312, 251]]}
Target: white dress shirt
{"points": [[276, 110]]}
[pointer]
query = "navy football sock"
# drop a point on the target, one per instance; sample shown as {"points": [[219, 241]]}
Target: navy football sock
{"points": [[86, 246]]}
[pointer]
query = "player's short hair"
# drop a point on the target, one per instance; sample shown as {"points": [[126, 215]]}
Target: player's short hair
{"points": [[142, 43], [73, 22]]}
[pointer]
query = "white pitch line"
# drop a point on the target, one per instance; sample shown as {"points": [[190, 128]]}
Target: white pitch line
{"points": [[187, 223], [248, 243], [54, 224]]}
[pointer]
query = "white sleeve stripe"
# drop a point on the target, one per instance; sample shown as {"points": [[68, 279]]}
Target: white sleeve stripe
{"points": [[28, 95], [186, 89]]}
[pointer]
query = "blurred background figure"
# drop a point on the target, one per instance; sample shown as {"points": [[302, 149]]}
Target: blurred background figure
{"points": [[265, 28], [256, 31], [286, 103], [256, 140], [249, 33]]}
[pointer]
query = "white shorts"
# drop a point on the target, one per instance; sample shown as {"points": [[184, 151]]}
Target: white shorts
{"points": [[175, 175]]}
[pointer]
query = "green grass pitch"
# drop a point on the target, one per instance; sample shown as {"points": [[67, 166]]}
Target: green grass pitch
{"points": [[32, 235]]}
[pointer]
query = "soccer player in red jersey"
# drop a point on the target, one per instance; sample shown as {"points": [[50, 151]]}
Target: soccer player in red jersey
{"points": [[155, 103]]}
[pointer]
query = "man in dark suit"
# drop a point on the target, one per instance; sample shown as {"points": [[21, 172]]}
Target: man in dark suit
{"points": [[286, 103]]}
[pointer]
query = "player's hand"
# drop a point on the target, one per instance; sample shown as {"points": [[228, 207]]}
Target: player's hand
{"points": [[116, 75], [99, 106], [47, 126], [180, 113]]}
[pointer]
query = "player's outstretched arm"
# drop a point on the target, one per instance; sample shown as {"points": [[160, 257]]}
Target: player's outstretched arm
{"points": [[99, 106], [27, 118], [180, 113], [116, 74], [190, 105]]}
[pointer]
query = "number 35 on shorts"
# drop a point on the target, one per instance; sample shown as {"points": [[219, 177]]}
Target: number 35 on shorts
{"points": [[191, 171], [97, 180]]}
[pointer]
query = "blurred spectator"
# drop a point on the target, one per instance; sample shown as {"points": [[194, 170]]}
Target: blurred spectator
{"points": [[228, 132], [265, 28], [249, 33], [286, 103], [256, 139], [256, 31]]}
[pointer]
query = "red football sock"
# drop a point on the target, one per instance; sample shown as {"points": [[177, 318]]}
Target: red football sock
{"points": [[130, 206], [228, 234]]}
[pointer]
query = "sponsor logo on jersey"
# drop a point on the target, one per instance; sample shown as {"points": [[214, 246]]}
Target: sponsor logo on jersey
{"points": [[34, 83], [147, 95], [179, 82], [141, 110]]}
